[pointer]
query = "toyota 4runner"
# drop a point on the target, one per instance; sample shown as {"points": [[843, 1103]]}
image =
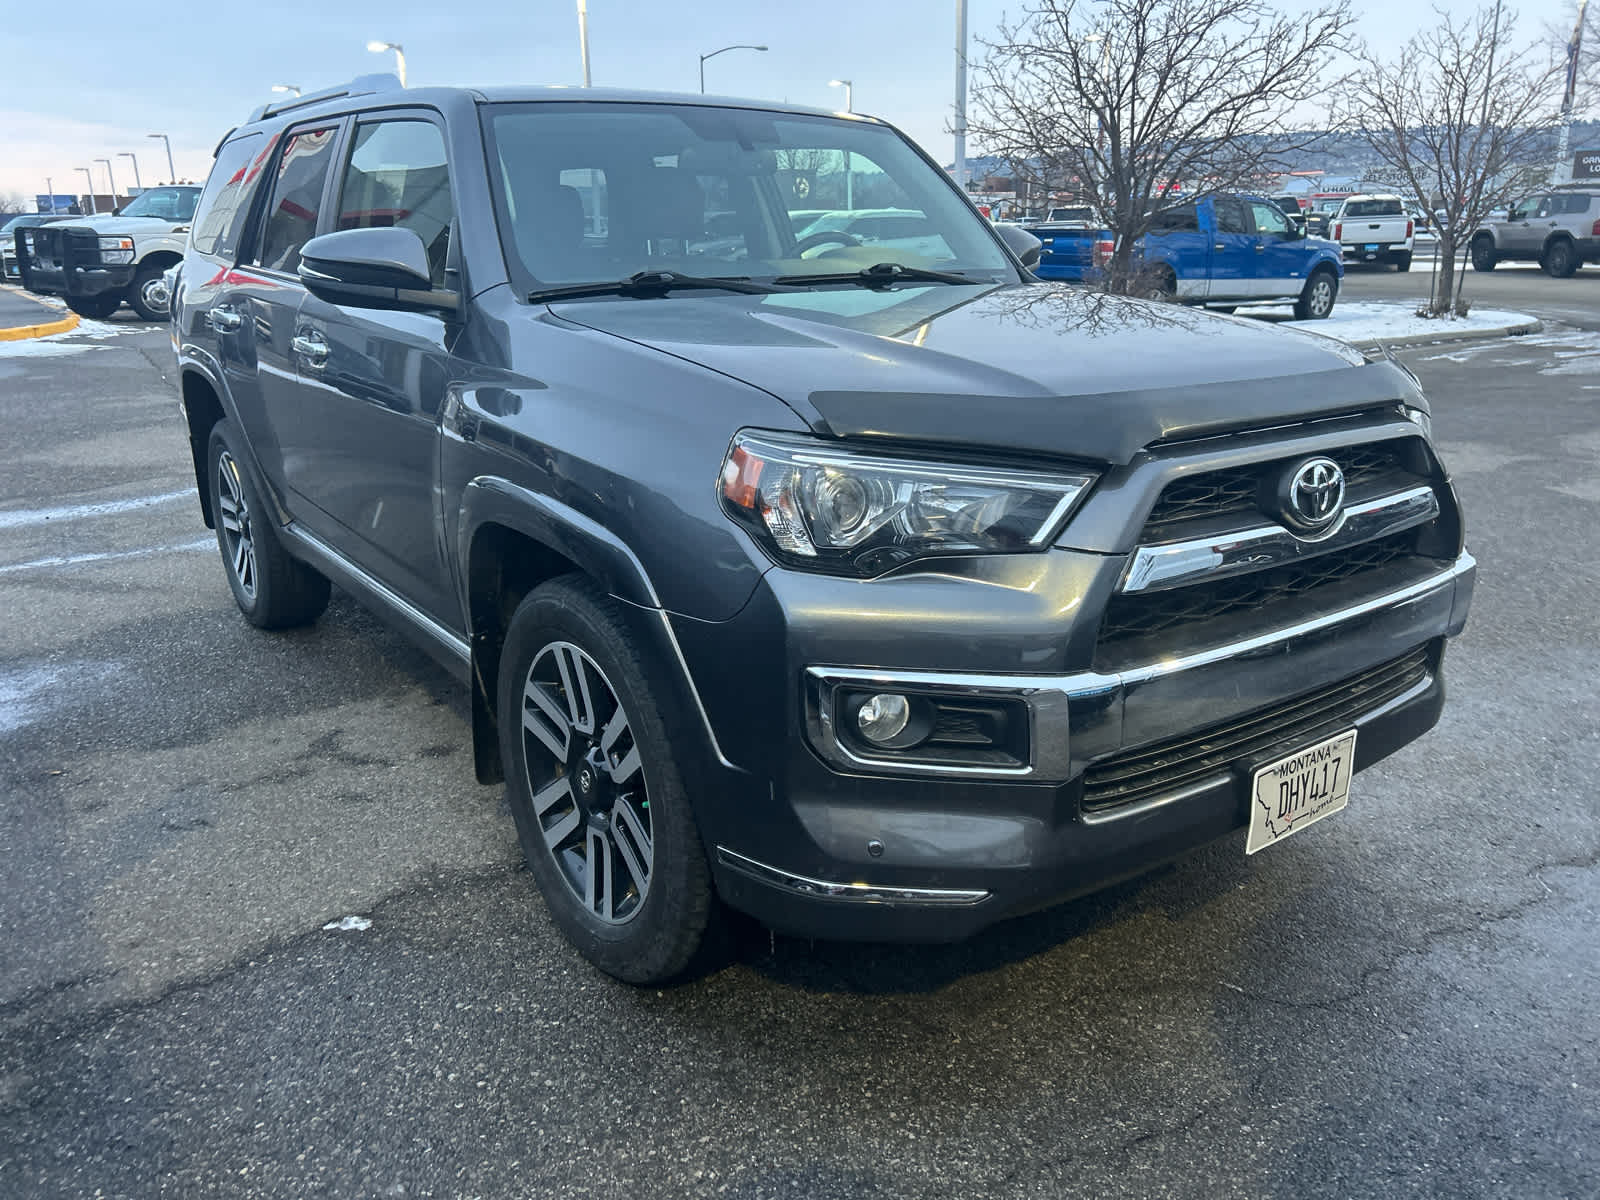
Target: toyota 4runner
{"points": [[880, 591]]}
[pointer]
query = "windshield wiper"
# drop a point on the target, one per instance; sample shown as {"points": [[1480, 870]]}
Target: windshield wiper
{"points": [[651, 283], [881, 275]]}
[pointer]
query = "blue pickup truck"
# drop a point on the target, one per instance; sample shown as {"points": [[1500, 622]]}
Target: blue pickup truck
{"points": [[1220, 251]]}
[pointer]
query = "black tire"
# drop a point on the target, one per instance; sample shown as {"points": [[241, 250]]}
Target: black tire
{"points": [[571, 669], [1483, 255], [147, 296], [1318, 297], [1560, 259], [273, 590], [95, 308], [1158, 284], [1402, 261]]}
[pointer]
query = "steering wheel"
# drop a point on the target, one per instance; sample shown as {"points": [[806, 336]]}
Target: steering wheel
{"points": [[812, 241]]}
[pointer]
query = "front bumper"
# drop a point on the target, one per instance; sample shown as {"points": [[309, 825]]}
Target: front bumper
{"points": [[79, 281], [65, 260], [862, 851]]}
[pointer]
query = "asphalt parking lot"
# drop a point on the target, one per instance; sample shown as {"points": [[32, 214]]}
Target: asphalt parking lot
{"points": [[1401, 1001]]}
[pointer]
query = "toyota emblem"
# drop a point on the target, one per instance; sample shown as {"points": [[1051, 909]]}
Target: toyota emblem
{"points": [[1312, 497]]}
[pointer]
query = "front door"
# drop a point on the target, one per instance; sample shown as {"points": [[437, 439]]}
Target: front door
{"points": [[1280, 252], [374, 380]]}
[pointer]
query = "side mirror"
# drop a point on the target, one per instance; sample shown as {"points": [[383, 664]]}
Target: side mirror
{"points": [[1021, 243], [372, 268]]}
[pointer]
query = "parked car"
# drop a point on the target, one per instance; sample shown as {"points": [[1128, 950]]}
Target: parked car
{"points": [[1290, 206], [1558, 229], [8, 239], [97, 262], [880, 594], [890, 228], [1375, 229]]}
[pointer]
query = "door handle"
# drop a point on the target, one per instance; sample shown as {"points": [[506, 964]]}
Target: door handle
{"points": [[313, 349], [1261, 247], [224, 319], [1219, 246]]}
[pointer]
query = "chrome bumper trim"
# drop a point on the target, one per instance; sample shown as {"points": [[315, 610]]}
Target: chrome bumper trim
{"points": [[850, 893], [1177, 564]]}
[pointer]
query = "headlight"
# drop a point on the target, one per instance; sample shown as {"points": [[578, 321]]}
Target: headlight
{"points": [[116, 250], [849, 513]]}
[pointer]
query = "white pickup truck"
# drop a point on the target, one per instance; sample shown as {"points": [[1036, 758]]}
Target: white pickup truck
{"points": [[97, 262], [1375, 229]]}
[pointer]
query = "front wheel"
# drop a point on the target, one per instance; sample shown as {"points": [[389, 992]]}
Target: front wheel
{"points": [[591, 777], [273, 590], [95, 308], [1316, 301], [149, 294], [1483, 255]]}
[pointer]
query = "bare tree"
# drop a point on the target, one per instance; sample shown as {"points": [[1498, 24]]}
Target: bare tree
{"points": [[11, 203], [1120, 100], [1460, 117]]}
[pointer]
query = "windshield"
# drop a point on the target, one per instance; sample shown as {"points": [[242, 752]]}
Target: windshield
{"points": [[168, 203], [594, 192]]}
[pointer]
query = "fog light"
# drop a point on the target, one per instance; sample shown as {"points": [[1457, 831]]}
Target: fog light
{"points": [[883, 717]]}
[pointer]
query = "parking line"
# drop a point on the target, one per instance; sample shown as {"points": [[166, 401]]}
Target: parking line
{"points": [[73, 560], [39, 516]]}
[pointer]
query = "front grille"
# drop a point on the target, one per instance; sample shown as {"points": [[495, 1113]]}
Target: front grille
{"points": [[1265, 734], [1234, 489], [1138, 614]]}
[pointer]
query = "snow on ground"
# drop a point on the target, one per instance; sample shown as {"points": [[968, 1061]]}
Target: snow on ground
{"points": [[1374, 321]]}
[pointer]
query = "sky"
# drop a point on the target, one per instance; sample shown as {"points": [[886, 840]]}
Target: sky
{"points": [[70, 94]]}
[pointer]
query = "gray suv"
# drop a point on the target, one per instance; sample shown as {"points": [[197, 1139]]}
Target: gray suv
{"points": [[1558, 229], [880, 591]]}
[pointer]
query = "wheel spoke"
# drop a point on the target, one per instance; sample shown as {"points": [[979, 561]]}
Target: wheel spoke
{"points": [[624, 767], [546, 721], [545, 798], [249, 578], [241, 553], [575, 682], [633, 843], [564, 828], [597, 887]]}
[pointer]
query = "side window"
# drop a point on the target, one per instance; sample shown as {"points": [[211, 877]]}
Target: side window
{"points": [[226, 199], [1230, 215], [291, 217], [1182, 219], [397, 178], [1578, 205], [1269, 219]]}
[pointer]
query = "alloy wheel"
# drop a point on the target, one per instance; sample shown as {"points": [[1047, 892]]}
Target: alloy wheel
{"points": [[235, 518], [1321, 297], [587, 782], [155, 294]]}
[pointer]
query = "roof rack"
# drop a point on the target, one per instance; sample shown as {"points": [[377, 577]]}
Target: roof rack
{"points": [[361, 85]]}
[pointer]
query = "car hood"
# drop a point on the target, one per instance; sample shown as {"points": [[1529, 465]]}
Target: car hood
{"points": [[129, 226], [1024, 367]]}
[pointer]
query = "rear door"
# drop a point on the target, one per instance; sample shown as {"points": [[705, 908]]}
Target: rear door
{"points": [[374, 380], [1234, 251], [1176, 237]]}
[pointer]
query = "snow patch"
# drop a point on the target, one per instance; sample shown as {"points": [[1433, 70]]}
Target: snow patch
{"points": [[348, 925]]}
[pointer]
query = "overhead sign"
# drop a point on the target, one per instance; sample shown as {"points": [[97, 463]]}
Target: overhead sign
{"points": [[1586, 164], [57, 203]]}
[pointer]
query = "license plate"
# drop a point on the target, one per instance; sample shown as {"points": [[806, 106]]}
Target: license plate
{"points": [[1299, 790], [1370, 247]]}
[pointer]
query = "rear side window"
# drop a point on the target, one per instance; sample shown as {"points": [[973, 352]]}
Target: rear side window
{"points": [[297, 185], [1182, 219], [219, 218], [1578, 205], [1230, 216], [397, 178]]}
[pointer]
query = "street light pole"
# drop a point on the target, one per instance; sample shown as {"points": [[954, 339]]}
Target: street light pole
{"points": [[172, 172], [112, 178], [960, 125], [714, 53], [50, 192], [849, 165], [88, 174], [583, 38], [399, 56], [138, 186]]}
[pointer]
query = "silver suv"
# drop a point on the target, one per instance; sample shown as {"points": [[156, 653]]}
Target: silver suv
{"points": [[1558, 229]]}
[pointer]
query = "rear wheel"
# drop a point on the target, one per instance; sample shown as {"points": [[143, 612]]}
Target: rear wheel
{"points": [[273, 590], [1560, 259], [1483, 255], [1316, 301], [148, 296], [95, 308], [600, 803], [1159, 284]]}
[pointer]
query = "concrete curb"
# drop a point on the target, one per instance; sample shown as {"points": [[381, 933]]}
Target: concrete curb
{"points": [[1447, 335], [18, 333]]}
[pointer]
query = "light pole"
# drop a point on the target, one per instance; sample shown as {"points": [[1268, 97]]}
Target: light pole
{"points": [[112, 178], [286, 87], [399, 56], [89, 175], [714, 53], [960, 129], [172, 172], [583, 38], [50, 191], [138, 186], [849, 173]]}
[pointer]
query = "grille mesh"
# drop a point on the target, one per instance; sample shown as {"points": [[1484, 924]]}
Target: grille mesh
{"points": [[1168, 766]]}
